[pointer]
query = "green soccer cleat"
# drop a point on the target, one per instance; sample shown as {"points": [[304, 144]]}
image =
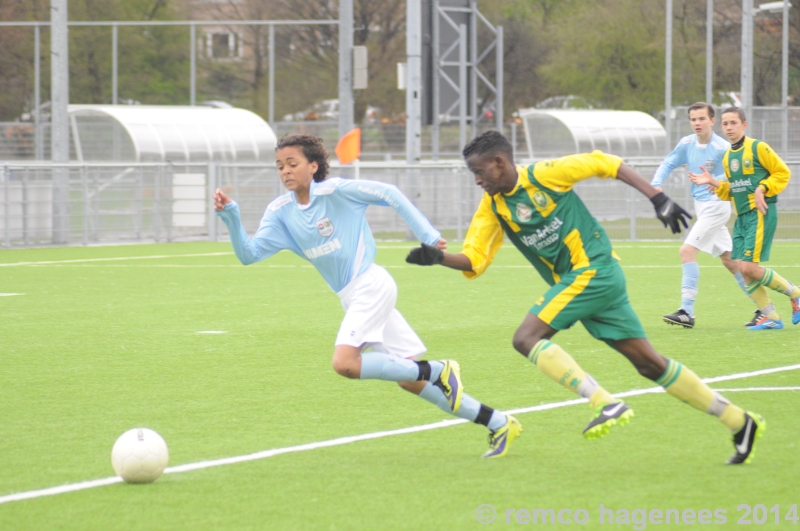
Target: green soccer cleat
{"points": [[744, 440], [450, 384], [606, 416], [500, 440]]}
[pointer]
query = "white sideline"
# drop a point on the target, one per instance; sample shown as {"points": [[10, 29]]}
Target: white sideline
{"points": [[72, 487]]}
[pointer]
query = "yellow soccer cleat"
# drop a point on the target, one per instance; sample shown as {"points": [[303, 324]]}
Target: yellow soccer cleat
{"points": [[500, 440], [450, 384], [606, 416]]}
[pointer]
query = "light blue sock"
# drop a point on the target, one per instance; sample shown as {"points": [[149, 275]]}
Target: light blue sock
{"points": [[742, 284], [691, 276], [469, 407], [382, 366]]}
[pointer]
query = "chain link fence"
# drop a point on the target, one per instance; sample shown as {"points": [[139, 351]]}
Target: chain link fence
{"points": [[114, 203]]}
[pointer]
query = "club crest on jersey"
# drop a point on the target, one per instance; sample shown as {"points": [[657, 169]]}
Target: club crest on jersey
{"points": [[709, 164], [734, 165], [325, 227], [540, 200], [747, 163], [524, 212]]}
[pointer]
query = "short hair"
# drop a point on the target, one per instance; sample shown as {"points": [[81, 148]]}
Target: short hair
{"points": [[313, 150], [701, 105], [489, 143], [736, 110]]}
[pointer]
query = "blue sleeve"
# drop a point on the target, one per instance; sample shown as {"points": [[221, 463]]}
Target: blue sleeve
{"points": [[377, 193], [268, 240], [672, 161]]}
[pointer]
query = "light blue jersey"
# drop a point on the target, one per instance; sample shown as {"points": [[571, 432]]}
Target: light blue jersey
{"points": [[693, 154], [331, 231]]}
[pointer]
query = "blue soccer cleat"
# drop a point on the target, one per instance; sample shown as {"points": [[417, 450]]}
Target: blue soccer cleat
{"points": [[765, 323], [796, 310]]}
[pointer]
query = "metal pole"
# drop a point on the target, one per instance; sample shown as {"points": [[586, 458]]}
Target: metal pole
{"points": [[212, 185], [192, 66], [785, 81], [472, 56], [59, 73], [435, 96], [345, 66], [498, 107], [414, 83], [37, 92], [747, 57], [462, 86], [709, 51], [114, 64], [668, 78], [86, 208], [7, 203], [271, 74]]}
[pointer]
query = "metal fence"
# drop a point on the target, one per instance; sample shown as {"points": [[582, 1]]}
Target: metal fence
{"points": [[113, 203]]}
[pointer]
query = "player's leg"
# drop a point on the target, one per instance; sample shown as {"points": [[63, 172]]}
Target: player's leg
{"points": [[735, 267], [400, 340], [575, 297], [682, 383], [690, 279]]}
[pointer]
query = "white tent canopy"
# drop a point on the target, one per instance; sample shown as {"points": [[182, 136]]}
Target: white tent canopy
{"points": [[555, 133], [156, 133]]}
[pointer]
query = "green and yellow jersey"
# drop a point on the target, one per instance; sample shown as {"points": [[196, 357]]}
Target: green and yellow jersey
{"points": [[544, 218], [752, 165]]}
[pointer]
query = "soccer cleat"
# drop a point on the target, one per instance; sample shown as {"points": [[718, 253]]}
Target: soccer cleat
{"points": [[680, 318], [765, 323], [500, 440], [744, 440], [450, 384], [606, 416], [796, 310], [756, 318]]}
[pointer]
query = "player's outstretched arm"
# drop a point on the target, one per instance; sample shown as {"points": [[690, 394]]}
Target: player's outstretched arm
{"points": [[428, 255], [669, 212]]}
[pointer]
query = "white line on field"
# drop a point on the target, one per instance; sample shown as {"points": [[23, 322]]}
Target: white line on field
{"points": [[10, 294], [115, 259], [72, 487]]}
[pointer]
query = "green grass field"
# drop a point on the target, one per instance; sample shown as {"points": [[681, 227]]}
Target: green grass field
{"points": [[103, 339]]}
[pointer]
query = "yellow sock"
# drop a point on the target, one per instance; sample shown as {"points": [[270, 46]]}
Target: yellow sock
{"points": [[775, 282], [560, 367], [683, 384], [760, 294]]}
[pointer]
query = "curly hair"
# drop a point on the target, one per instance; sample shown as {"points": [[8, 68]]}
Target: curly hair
{"points": [[313, 150], [489, 143]]}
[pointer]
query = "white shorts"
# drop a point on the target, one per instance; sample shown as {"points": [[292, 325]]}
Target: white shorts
{"points": [[371, 321], [709, 233]]}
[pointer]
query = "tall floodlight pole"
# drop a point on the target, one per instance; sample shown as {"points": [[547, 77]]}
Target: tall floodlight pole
{"points": [[668, 77], [747, 57], [345, 66], [59, 133], [414, 82], [709, 51], [785, 80]]}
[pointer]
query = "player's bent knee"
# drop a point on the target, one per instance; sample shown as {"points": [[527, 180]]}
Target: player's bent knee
{"points": [[524, 342], [345, 367]]}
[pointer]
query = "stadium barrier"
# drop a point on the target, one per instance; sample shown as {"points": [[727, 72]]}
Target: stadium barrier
{"points": [[114, 203]]}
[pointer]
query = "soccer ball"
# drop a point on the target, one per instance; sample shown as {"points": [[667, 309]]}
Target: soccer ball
{"points": [[140, 455]]}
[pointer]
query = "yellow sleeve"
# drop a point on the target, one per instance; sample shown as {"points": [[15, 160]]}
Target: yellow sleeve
{"points": [[778, 170], [484, 238], [724, 190], [560, 175]]}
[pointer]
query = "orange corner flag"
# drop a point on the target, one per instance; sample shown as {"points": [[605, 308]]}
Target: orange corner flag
{"points": [[349, 147]]}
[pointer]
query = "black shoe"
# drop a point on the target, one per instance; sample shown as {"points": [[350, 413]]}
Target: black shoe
{"points": [[756, 318], [680, 318], [744, 440]]}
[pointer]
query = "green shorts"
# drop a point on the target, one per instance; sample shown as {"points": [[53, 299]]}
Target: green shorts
{"points": [[595, 297], [753, 233]]}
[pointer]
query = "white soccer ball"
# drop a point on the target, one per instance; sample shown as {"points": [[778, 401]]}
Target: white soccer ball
{"points": [[140, 455]]}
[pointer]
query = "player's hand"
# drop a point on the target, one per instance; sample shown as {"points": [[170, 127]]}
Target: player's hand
{"points": [[220, 200], [761, 203], [670, 213], [659, 189], [425, 255], [441, 244], [704, 177]]}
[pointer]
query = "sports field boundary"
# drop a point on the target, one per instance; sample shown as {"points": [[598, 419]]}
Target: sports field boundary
{"points": [[73, 487]]}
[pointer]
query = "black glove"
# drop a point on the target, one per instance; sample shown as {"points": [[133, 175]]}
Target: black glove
{"points": [[425, 255], [670, 213]]}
